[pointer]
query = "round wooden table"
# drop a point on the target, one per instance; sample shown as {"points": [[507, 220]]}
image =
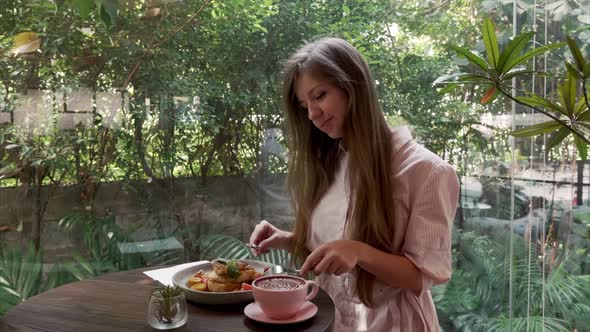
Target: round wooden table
{"points": [[118, 302]]}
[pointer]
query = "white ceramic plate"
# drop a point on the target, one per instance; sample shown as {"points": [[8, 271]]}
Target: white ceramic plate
{"points": [[181, 277]]}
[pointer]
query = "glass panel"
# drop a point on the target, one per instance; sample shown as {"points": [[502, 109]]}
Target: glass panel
{"points": [[144, 133], [522, 252]]}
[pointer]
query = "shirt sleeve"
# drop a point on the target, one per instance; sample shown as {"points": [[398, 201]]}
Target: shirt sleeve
{"points": [[427, 241]]}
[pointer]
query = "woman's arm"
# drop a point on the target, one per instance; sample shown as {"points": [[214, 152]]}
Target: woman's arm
{"points": [[394, 270], [425, 256], [342, 256]]}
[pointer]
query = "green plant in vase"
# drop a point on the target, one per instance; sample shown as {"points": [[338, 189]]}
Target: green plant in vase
{"points": [[167, 308]]}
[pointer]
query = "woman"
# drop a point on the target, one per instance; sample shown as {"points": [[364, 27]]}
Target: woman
{"points": [[373, 209]]}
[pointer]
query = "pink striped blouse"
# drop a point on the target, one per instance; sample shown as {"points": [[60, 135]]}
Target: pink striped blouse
{"points": [[425, 197]]}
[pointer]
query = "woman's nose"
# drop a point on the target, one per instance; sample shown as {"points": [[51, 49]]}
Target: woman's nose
{"points": [[313, 112]]}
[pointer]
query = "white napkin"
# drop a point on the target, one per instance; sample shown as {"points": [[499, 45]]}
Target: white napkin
{"points": [[164, 276]]}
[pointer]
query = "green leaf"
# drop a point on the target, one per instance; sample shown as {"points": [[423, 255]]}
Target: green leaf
{"points": [[584, 116], [88, 269], [575, 50], [11, 291], [276, 257], [513, 49], [105, 17], [108, 10], [536, 100], [20, 275], [580, 106], [517, 72], [537, 129], [491, 42], [215, 246], [261, 28], [232, 269], [475, 78], [472, 57], [570, 68], [587, 70], [447, 77], [539, 50], [448, 88], [346, 10], [582, 147], [84, 7], [556, 138], [567, 94]]}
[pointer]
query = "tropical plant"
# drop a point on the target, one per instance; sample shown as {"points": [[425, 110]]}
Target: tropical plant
{"points": [[166, 307], [215, 246], [36, 163], [102, 239], [99, 237], [569, 115], [478, 297], [22, 275]]}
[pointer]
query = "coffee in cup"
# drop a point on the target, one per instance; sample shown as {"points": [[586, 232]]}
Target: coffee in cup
{"points": [[282, 296]]}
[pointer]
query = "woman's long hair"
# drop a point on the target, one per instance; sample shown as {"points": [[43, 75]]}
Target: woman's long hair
{"points": [[314, 155]]}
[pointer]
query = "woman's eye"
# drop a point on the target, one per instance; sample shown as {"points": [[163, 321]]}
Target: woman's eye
{"points": [[320, 96]]}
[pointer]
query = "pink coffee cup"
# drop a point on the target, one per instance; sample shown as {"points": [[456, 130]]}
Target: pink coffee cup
{"points": [[281, 296]]}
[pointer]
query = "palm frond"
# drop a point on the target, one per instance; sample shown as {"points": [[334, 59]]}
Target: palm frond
{"points": [[216, 245], [224, 246], [525, 324], [20, 275]]}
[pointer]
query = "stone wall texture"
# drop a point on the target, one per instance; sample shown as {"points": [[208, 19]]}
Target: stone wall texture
{"points": [[148, 211]]}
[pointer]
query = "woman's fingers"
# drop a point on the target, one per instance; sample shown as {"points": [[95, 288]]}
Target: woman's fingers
{"points": [[255, 238], [312, 260], [262, 237], [332, 267], [269, 242], [261, 232], [328, 264]]}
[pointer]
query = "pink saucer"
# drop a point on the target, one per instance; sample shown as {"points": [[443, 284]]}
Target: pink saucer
{"points": [[307, 311]]}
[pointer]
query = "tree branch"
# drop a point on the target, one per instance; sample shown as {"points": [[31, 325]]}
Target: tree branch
{"points": [[160, 43], [556, 119]]}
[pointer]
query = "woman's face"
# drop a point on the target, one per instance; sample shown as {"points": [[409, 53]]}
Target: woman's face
{"points": [[326, 104]]}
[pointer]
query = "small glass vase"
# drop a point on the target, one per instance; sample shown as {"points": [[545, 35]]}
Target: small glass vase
{"points": [[165, 313]]}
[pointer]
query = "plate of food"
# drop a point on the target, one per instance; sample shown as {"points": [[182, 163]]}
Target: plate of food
{"points": [[220, 281]]}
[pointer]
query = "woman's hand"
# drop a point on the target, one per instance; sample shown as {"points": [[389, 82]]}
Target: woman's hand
{"points": [[335, 257], [266, 236]]}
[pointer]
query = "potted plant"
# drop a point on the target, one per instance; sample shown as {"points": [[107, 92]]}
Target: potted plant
{"points": [[167, 308]]}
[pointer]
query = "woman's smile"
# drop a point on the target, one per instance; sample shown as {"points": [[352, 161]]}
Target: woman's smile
{"points": [[324, 126]]}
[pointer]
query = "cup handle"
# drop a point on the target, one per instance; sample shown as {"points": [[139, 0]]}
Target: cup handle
{"points": [[314, 290]]}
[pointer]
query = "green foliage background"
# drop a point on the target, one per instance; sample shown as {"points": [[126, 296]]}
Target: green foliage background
{"points": [[224, 59]]}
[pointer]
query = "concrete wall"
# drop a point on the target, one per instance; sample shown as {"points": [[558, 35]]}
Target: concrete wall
{"points": [[225, 205]]}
